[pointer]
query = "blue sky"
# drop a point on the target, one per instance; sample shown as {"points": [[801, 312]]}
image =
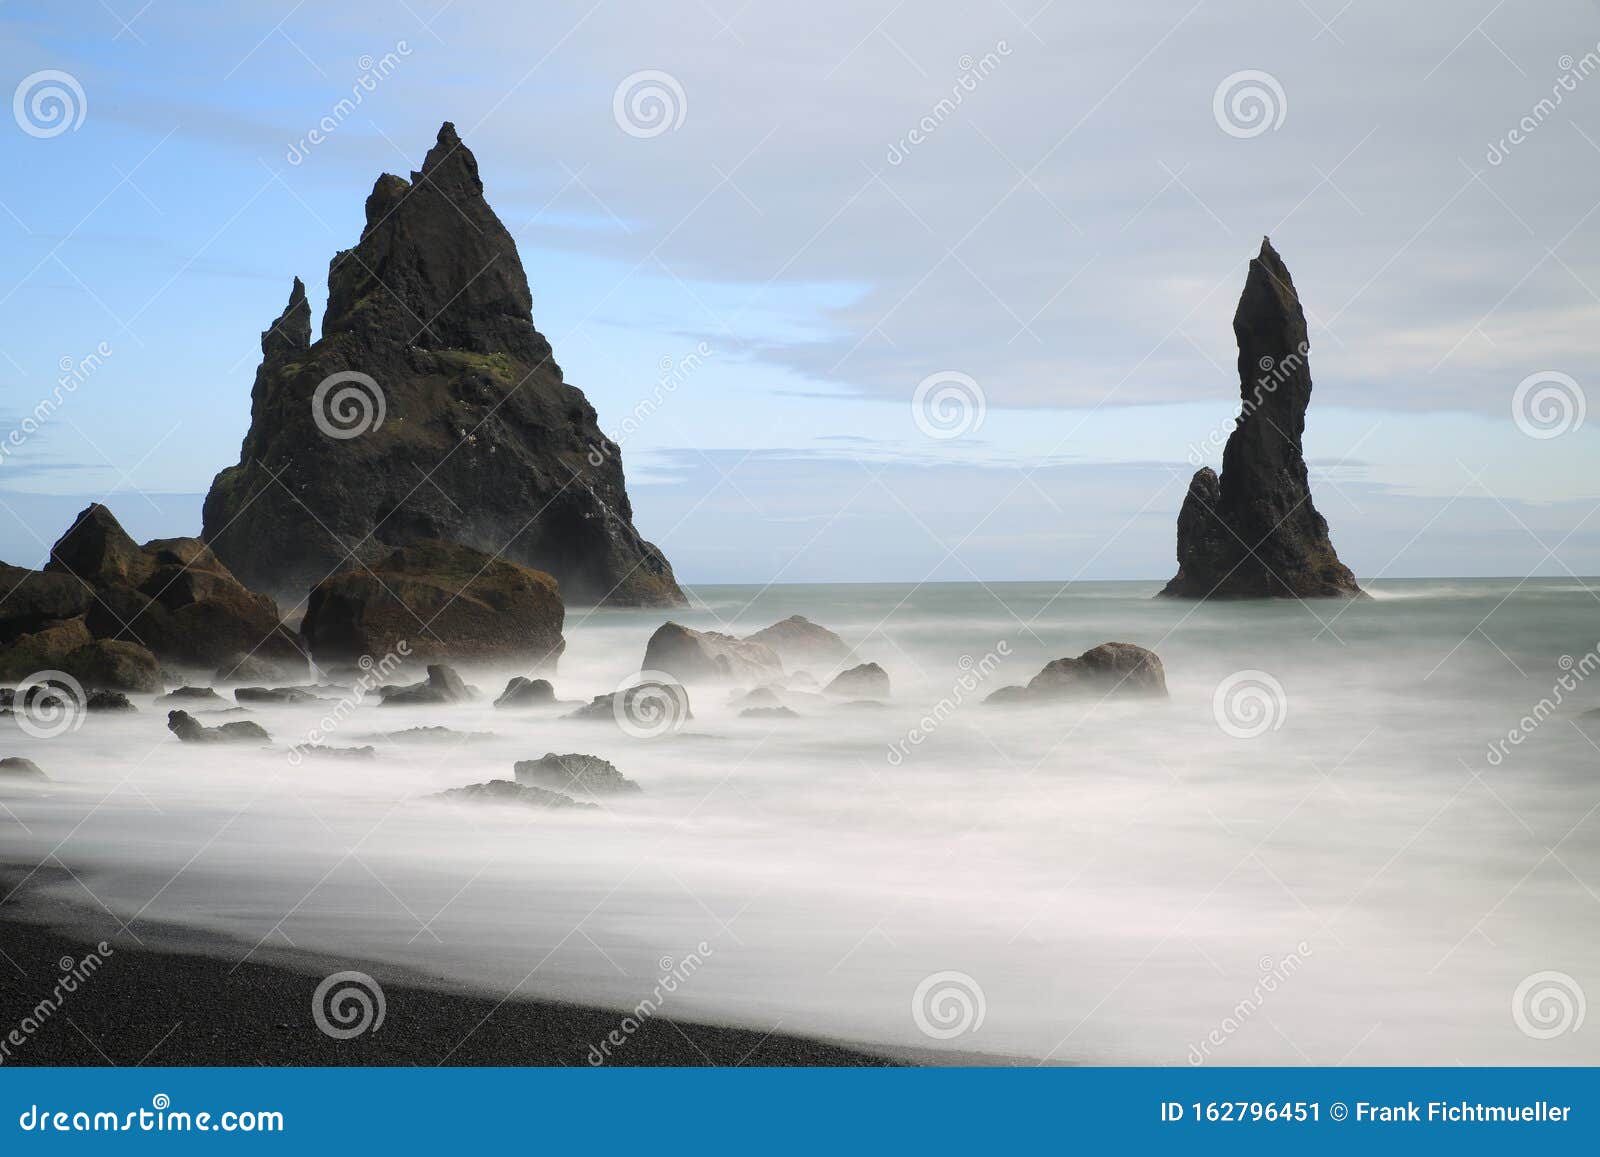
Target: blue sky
{"points": [[1070, 234]]}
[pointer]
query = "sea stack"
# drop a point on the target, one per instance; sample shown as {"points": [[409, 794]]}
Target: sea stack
{"points": [[1253, 532], [430, 409]]}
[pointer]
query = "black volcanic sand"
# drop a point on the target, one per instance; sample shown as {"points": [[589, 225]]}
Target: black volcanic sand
{"points": [[181, 998]]}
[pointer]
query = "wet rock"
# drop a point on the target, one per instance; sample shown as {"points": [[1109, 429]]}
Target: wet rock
{"points": [[698, 656], [16, 767], [200, 695], [507, 791], [42, 650], [190, 730], [649, 708], [524, 692], [108, 701], [31, 600], [276, 695], [1254, 532], [436, 600], [442, 685], [800, 642], [868, 681], [110, 665], [577, 774], [432, 304], [1122, 670]]}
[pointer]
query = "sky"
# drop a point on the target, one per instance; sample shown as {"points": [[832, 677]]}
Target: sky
{"points": [[1042, 209]]}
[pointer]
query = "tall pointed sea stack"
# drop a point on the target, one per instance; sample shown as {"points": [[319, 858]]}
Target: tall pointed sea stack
{"points": [[1254, 533], [431, 408]]}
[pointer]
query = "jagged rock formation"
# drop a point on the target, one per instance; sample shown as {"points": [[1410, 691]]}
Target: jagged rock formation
{"points": [[574, 774], [697, 656], [436, 600], [470, 435], [1254, 533], [1124, 670], [108, 611], [868, 681]]}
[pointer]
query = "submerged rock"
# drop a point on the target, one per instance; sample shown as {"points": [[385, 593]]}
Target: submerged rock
{"points": [[108, 701], [773, 713], [1253, 532], [322, 751], [16, 767], [442, 685], [696, 656], [277, 695], [464, 428], [647, 709], [506, 791], [868, 681], [580, 774], [1123, 670], [799, 642], [191, 695], [432, 735], [189, 729], [524, 692]]}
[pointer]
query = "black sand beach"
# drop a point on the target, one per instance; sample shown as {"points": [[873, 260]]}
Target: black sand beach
{"points": [[181, 999]]}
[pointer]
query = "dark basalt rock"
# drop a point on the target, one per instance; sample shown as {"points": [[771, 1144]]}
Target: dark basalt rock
{"points": [[506, 791], [1122, 670], [481, 440], [1254, 533], [108, 701], [438, 600], [190, 730], [113, 665], [801, 643], [276, 695], [43, 650], [191, 695], [16, 767], [868, 681], [171, 597], [698, 656], [32, 600], [442, 685], [579, 774], [524, 692]]}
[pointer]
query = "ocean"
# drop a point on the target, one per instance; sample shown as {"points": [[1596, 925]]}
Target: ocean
{"points": [[1358, 832]]}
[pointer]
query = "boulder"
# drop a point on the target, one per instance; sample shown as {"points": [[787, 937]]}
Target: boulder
{"points": [[109, 665], [1254, 532], [442, 685], [276, 695], [436, 600], [201, 695], [799, 642], [256, 669], [1122, 670], [649, 708], [15, 767], [108, 701], [506, 791], [31, 600], [525, 692], [190, 730], [463, 428], [699, 656], [322, 751], [578, 774], [868, 681], [42, 650]]}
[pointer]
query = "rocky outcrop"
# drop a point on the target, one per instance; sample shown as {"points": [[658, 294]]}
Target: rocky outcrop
{"points": [[190, 730], [524, 692], [801, 643], [16, 767], [460, 425], [288, 695], [442, 685], [576, 774], [1123, 670], [171, 598], [868, 681], [506, 791], [436, 600], [114, 665], [1253, 532], [709, 656]]}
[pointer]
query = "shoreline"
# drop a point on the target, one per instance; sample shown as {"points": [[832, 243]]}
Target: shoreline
{"points": [[177, 999]]}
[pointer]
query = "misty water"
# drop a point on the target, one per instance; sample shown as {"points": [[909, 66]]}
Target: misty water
{"points": [[1114, 877]]}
